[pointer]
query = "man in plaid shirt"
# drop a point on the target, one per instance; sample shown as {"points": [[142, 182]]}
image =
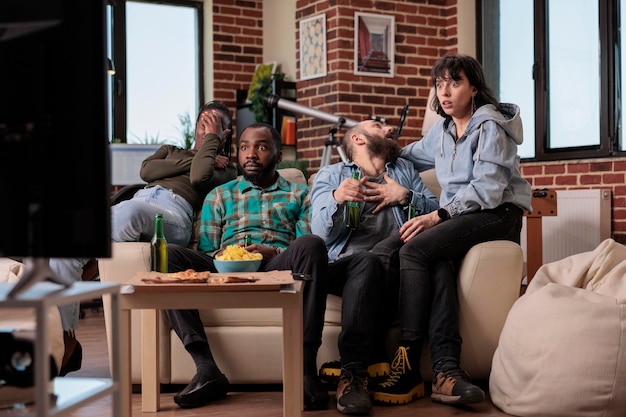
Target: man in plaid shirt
{"points": [[276, 214]]}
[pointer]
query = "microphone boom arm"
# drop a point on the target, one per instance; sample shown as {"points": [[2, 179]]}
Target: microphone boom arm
{"points": [[272, 100], [401, 122]]}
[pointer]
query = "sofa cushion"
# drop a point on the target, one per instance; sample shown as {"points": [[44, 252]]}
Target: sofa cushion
{"points": [[293, 175], [10, 270], [429, 177], [562, 351], [244, 317]]}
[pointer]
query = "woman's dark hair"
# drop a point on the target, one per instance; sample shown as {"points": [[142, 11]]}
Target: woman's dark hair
{"points": [[451, 66], [228, 140]]}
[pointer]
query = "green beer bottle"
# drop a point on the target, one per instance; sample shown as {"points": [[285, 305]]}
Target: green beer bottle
{"points": [[352, 211], [158, 246], [410, 211]]}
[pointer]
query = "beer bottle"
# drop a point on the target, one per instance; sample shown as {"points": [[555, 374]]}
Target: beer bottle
{"points": [[158, 246], [352, 210], [410, 211]]}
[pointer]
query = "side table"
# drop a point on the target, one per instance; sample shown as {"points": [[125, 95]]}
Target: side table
{"points": [[42, 296], [274, 289]]}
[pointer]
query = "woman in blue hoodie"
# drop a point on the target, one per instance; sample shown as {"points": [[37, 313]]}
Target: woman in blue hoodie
{"points": [[474, 151]]}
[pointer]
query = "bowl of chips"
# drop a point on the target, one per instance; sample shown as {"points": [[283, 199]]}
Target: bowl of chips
{"points": [[236, 259]]}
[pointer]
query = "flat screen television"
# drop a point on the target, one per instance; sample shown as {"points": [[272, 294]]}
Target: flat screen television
{"points": [[54, 155]]}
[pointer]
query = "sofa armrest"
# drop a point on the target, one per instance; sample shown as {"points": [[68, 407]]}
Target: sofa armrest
{"points": [[126, 259], [489, 283]]}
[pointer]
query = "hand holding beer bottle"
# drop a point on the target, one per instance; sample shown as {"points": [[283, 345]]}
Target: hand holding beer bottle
{"points": [[352, 211]]}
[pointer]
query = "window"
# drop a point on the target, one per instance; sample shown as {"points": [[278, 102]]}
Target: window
{"points": [[157, 52], [559, 60]]}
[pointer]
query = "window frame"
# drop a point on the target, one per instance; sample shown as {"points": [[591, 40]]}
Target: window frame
{"points": [[610, 100], [118, 34]]}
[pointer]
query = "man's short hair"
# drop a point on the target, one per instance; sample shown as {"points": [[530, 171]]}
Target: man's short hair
{"points": [[272, 129]]}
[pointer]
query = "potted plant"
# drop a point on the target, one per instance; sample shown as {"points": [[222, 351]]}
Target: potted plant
{"points": [[263, 88]]}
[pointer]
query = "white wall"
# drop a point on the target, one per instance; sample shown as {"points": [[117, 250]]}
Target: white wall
{"points": [[467, 27], [279, 35]]}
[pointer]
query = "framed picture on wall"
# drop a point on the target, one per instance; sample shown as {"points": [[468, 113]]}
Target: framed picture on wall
{"points": [[313, 47], [374, 44]]}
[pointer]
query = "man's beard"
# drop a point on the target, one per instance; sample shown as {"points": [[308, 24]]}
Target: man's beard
{"points": [[387, 149], [265, 170]]}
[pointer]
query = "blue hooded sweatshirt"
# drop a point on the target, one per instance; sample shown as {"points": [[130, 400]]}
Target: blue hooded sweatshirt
{"points": [[480, 170]]}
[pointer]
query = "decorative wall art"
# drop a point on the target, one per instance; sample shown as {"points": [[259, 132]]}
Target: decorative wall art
{"points": [[374, 45], [313, 47]]}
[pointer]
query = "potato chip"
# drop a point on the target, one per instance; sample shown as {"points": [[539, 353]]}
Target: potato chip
{"points": [[238, 253]]}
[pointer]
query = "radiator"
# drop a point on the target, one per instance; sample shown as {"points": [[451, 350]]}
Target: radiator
{"points": [[583, 220]]}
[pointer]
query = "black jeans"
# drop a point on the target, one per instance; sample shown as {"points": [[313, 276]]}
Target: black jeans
{"points": [[360, 280], [428, 276], [307, 255]]}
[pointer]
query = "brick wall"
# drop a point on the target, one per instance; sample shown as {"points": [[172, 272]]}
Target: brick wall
{"points": [[424, 30], [237, 46], [585, 174]]}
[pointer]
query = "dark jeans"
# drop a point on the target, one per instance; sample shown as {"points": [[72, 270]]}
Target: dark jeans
{"points": [[307, 255], [428, 276], [387, 251], [360, 280]]}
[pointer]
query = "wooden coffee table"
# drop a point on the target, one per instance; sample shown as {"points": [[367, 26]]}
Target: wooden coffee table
{"points": [[274, 289]]}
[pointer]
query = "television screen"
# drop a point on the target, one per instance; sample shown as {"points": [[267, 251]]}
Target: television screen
{"points": [[54, 156]]}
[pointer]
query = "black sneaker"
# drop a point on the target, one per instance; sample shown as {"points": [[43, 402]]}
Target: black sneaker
{"points": [[452, 386], [403, 385], [352, 394], [315, 394]]}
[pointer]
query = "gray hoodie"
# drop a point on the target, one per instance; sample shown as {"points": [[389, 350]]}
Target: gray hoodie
{"points": [[480, 170]]}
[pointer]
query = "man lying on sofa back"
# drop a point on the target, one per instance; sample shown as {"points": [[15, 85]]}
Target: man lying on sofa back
{"points": [[361, 259], [276, 214]]}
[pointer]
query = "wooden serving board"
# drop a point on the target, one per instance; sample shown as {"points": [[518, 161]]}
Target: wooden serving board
{"points": [[145, 281]]}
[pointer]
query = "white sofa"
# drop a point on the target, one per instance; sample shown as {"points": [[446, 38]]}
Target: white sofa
{"points": [[247, 343]]}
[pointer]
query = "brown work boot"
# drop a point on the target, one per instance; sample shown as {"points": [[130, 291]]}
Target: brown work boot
{"points": [[352, 394], [452, 386]]}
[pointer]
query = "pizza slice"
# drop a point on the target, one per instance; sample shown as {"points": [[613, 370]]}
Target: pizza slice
{"points": [[187, 276], [191, 276]]}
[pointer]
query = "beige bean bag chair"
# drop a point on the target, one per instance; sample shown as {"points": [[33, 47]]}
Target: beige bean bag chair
{"points": [[562, 351]]}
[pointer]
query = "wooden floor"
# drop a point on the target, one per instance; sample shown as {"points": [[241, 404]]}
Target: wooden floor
{"points": [[244, 401]]}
